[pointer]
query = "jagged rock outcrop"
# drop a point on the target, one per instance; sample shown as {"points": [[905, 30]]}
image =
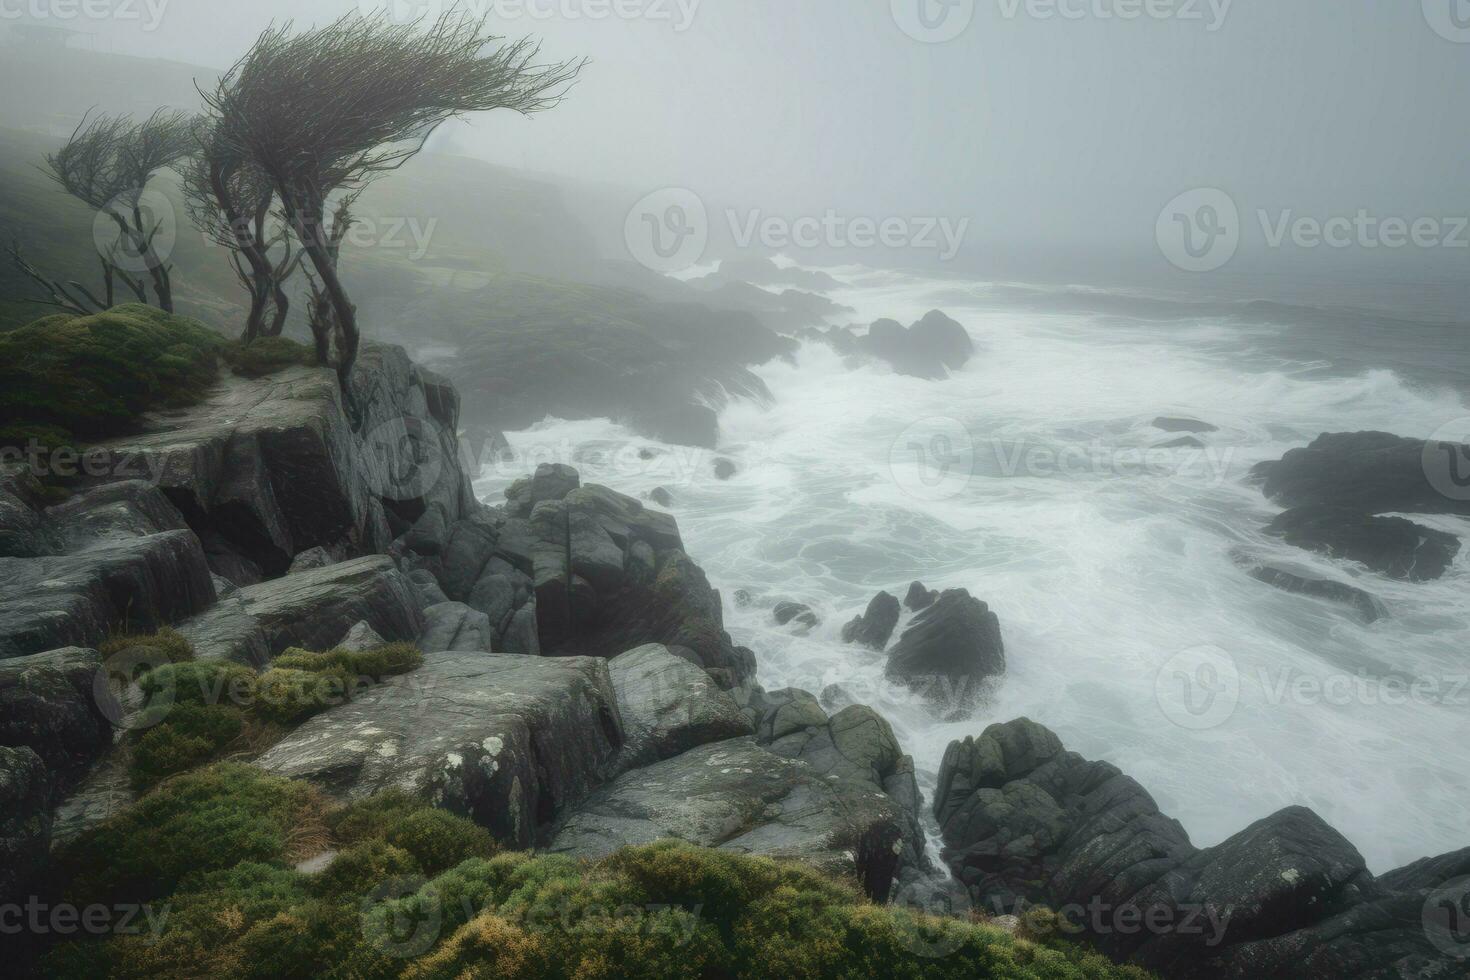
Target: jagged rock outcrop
{"points": [[510, 741], [739, 796], [56, 704], [312, 610], [856, 743], [110, 555], [800, 613], [1394, 546], [669, 705], [918, 597], [455, 626], [1025, 821], [875, 626], [949, 650], [1369, 472], [930, 348], [25, 821], [585, 571]]}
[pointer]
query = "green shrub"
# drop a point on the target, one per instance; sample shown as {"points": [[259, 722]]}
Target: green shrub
{"points": [[207, 820], [380, 662], [190, 735], [91, 377], [363, 867], [290, 696], [203, 682], [164, 646], [266, 355], [439, 840], [372, 817]]}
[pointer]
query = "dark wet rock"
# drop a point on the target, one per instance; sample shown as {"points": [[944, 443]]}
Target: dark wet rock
{"points": [[669, 705], [74, 599], [1394, 546], [949, 650], [311, 610], [552, 481], [930, 349], [310, 558], [797, 612], [1369, 472], [875, 626], [1369, 608], [777, 714], [1025, 821], [427, 586], [661, 496], [762, 271], [25, 822], [724, 469], [611, 575], [54, 704], [511, 741], [738, 796], [455, 626], [919, 597], [430, 533], [1171, 424], [1185, 442]]}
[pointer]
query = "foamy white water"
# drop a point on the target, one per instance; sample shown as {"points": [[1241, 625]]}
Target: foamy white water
{"points": [[1101, 561]]}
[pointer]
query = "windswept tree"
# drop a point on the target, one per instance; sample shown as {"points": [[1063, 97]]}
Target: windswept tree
{"points": [[231, 200], [325, 111], [107, 164]]}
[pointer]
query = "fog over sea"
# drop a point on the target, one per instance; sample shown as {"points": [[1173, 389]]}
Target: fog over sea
{"points": [[1033, 479]]}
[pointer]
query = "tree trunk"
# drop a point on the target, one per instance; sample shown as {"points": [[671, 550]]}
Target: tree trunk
{"points": [[313, 239]]}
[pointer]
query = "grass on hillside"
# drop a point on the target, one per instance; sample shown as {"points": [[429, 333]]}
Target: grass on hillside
{"points": [[420, 893]]}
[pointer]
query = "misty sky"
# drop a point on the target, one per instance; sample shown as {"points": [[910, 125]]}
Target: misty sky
{"points": [[1043, 131]]}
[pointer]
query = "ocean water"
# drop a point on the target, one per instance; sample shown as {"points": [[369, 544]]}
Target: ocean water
{"points": [[1032, 479]]}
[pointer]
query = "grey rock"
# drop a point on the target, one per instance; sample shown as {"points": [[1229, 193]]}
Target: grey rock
{"points": [[361, 637], [309, 559], [661, 496], [311, 610], [25, 821], [429, 534], [1367, 472], [456, 626], [1369, 608], [1171, 424], [56, 704], [468, 546], [724, 469], [919, 597], [797, 612], [669, 706], [1397, 547], [427, 586], [738, 796], [1024, 820], [949, 650], [74, 599], [875, 626], [512, 742]]}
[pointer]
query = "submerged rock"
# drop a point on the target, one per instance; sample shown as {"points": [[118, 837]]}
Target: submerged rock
{"points": [[1371, 473], [795, 612], [929, 349], [1367, 605], [875, 626], [1397, 547], [1170, 424]]}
